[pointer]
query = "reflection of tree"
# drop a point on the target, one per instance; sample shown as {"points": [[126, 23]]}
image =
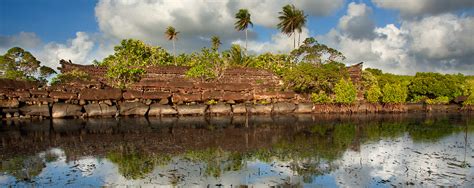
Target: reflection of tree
{"points": [[135, 164], [23, 168]]}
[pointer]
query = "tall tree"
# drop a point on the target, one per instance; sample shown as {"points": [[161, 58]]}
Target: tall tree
{"points": [[301, 22], [289, 21], [172, 34], [216, 42], [243, 22], [20, 64]]}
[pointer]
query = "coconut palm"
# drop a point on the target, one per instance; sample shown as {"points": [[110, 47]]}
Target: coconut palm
{"points": [[172, 34], [216, 42], [289, 21], [243, 22], [301, 22]]}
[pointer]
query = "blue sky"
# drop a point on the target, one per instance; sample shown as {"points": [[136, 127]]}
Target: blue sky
{"points": [[383, 33]]}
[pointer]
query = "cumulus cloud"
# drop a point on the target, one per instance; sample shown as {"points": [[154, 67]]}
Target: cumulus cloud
{"points": [[279, 43], [357, 23], [77, 50], [410, 8], [196, 20], [441, 43], [25, 40]]}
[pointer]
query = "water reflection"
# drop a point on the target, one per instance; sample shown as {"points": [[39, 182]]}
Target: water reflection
{"points": [[302, 151]]}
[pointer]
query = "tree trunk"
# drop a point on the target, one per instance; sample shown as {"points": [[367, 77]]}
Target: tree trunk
{"points": [[245, 41], [174, 53], [299, 39], [294, 40]]}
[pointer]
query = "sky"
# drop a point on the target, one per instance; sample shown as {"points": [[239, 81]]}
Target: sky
{"points": [[397, 36]]}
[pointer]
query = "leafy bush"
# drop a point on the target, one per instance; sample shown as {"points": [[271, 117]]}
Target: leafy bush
{"points": [[74, 75], [469, 100], [438, 100], [345, 92], [211, 102], [205, 65], [320, 98], [374, 94], [307, 77], [434, 85], [418, 99], [277, 63], [394, 94]]}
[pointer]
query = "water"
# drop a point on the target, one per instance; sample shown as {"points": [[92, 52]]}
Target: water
{"points": [[385, 150]]}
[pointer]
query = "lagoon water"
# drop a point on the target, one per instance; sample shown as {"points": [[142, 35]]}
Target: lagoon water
{"points": [[384, 150]]}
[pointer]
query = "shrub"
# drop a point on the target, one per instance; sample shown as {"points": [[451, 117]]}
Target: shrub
{"points": [[394, 94], [435, 85], [74, 75], [345, 92], [374, 94], [469, 100], [211, 102], [418, 99], [438, 100], [320, 98]]}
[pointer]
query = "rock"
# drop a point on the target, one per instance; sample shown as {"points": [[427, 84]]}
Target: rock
{"points": [[100, 94], [155, 95], [8, 115], [230, 102], [100, 110], [148, 102], [82, 102], [164, 101], [260, 109], [283, 107], [303, 108], [237, 96], [36, 110], [62, 95], [198, 109], [132, 94], [133, 108], [16, 114], [179, 97], [220, 109], [9, 103], [108, 102], [159, 110], [415, 107], [61, 110], [239, 109]]}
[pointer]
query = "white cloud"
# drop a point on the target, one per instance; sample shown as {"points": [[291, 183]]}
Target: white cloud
{"points": [[279, 43], [410, 8], [77, 50], [357, 23], [441, 43], [24, 40], [195, 19]]}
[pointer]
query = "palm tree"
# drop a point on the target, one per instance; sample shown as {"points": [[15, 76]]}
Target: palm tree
{"points": [[301, 22], [172, 34], [243, 22], [289, 21], [216, 42]]}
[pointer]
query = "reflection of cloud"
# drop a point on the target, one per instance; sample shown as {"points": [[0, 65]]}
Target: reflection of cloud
{"points": [[401, 160]]}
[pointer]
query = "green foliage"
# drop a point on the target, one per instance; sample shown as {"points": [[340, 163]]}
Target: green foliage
{"points": [[469, 100], [345, 92], [394, 94], [206, 65], [71, 76], [320, 98], [418, 99], [211, 102], [127, 64], [434, 85], [19, 64], [438, 100], [277, 63], [308, 77], [373, 94], [313, 52], [368, 79], [235, 56]]}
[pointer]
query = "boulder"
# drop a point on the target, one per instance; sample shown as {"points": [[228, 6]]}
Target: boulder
{"points": [[237, 96], [283, 107], [9, 103], [239, 109], [220, 109], [155, 95], [132, 94], [415, 107], [198, 109], [36, 110], [303, 108], [62, 110], [179, 97], [96, 109], [133, 108], [159, 110], [260, 109]]}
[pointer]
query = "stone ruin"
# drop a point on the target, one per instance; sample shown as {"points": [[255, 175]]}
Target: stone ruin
{"points": [[163, 90]]}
